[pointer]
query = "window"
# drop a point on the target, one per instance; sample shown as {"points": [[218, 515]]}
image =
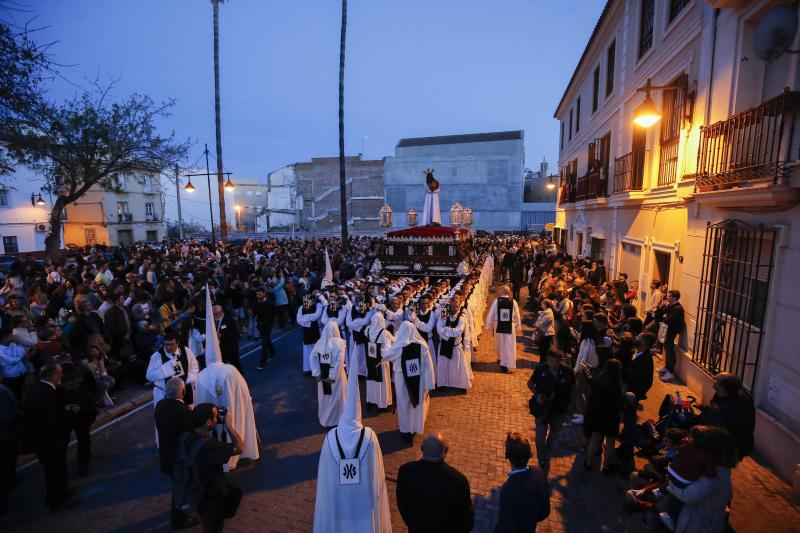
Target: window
{"points": [[570, 124], [4, 198], [149, 212], [120, 182], [578, 115], [259, 193], [147, 183], [672, 107], [611, 58], [90, 235], [646, 26], [675, 7], [595, 88], [249, 193], [122, 208], [151, 235], [598, 249], [10, 245], [561, 140], [734, 287]]}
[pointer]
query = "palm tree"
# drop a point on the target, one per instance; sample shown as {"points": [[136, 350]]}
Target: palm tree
{"points": [[223, 222], [342, 180]]}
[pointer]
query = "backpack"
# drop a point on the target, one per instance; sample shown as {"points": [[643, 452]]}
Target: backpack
{"points": [[188, 490]]}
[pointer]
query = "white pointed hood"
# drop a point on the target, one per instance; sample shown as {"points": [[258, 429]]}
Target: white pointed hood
{"points": [[329, 333], [328, 279], [213, 353], [350, 425], [406, 335], [377, 323]]}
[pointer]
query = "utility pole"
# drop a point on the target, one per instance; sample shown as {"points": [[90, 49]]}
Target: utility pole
{"points": [[210, 203], [178, 193], [223, 222]]}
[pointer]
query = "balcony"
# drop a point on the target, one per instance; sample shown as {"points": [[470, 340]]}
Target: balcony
{"points": [[752, 146], [625, 177], [151, 218], [592, 185], [566, 193], [125, 218]]}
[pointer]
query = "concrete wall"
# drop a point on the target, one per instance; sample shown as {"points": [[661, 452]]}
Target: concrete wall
{"points": [[19, 218], [485, 176]]}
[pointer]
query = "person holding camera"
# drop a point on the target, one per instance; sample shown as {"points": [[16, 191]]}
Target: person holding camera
{"points": [[220, 499]]}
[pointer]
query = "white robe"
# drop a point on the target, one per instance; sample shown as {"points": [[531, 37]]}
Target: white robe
{"points": [[305, 320], [505, 344], [454, 371], [358, 350], [428, 327], [412, 419], [330, 406], [380, 392], [353, 508], [223, 385], [430, 210], [158, 373]]}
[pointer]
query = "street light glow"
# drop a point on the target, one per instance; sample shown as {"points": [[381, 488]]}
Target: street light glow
{"points": [[229, 185], [647, 113], [189, 187]]}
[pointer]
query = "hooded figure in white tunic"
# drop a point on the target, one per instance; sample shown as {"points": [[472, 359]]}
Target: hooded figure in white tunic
{"points": [[379, 340], [221, 384], [307, 317], [424, 318], [351, 483], [327, 366], [452, 364], [414, 376], [504, 319], [357, 320]]}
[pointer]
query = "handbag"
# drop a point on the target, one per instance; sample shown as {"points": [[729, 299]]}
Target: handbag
{"points": [[662, 332]]}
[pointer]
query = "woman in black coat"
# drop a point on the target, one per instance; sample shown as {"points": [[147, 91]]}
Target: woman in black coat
{"points": [[603, 410]]}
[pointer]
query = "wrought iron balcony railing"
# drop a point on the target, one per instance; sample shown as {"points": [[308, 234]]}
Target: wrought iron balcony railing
{"points": [[750, 146], [591, 186], [626, 178]]}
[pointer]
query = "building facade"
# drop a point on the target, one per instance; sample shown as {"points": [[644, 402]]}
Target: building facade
{"points": [[705, 199], [282, 199], [24, 223], [539, 199], [133, 212], [315, 192], [481, 171], [250, 199]]}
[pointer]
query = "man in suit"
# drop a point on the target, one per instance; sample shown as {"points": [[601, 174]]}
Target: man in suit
{"points": [[432, 495], [639, 374], [46, 429], [228, 332], [78, 388], [173, 417], [524, 501], [671, 313]]}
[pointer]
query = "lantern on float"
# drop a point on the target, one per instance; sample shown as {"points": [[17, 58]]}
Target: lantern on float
{"points": [[386, 217], [466, 217], [455, 215], [412, 217]]}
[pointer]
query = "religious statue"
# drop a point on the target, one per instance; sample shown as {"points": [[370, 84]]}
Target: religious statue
{"points": [[431, 214]]}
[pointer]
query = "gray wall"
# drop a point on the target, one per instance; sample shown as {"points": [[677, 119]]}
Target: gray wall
{"points": [[485, 176]]}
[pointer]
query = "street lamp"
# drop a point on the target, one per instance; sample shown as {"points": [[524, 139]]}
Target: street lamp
{"points": [[229, 185], [38, 202], [189, 187], [550, 184], [646, 114]]}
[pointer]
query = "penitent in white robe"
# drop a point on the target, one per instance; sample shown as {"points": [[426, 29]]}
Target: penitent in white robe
{"points": [[305, 320], [355, 349], [353, 508], [223, 385], [330, 406], [411, 419], [380, 392], [505, 344], [454, 371]]}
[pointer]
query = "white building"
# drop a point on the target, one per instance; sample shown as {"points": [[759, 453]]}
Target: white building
{"points": [[706, 199], [282, 198], [24, 224]]}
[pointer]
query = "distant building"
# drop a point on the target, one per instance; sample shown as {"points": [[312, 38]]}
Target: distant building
{"points": [[135, 212], [24, 225], [313, 188], [539, 201], [249, 198], [482, 171]]}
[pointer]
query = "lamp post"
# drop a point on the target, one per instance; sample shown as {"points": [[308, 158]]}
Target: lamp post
{"points": [[37, 201], [646, 114]]}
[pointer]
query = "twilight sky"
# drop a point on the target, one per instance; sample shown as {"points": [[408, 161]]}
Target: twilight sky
{"points": [[414, 68]]}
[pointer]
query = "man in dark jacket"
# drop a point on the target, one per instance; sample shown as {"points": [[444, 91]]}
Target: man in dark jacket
{"points": [[432, 495], [639, 372], [78, 389], [87, 324], [732, 409], [264, 315], [118, 325], [551, 385], [173, 417], [671, 313], [524, 501], [46, 432], [228, 332]]}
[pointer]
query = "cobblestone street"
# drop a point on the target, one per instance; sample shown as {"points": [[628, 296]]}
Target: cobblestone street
{"points": [[126, 492]]}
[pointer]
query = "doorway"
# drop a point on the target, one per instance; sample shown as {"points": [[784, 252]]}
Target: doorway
{"points": [[124, 237], [630, 263], [579, 246], [661, 264]]}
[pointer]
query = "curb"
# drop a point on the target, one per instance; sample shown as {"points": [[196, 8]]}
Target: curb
{"points": [[122, 409]]}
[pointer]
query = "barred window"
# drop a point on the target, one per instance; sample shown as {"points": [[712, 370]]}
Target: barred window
{"points": [[610, 64], [675, 8], [646, 26], [595, 88]]}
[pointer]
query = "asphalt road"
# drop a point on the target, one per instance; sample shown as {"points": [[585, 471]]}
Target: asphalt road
{"points": [[126, 491]]}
